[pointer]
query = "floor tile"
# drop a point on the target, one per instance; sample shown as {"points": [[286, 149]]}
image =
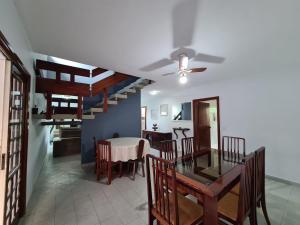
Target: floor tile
{"points": [[67, 194]]}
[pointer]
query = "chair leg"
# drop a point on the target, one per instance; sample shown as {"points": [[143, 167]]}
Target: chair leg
{"points": [[151, 220], [252, 219], [98, 174], [109, 175], [97, 171], [133, 170], [143, 169], [209, 160], [264, 208], [120, 172]]}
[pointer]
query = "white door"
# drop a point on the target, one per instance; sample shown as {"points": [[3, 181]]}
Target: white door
{"points": [[5, 73]]}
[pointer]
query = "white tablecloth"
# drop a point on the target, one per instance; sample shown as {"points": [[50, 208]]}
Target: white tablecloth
{"points": [[125, 148]]}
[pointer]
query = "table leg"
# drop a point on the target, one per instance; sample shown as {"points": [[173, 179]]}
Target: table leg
{"points": [[210, 210]]}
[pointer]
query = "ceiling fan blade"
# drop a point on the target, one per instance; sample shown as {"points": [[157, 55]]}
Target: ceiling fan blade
{"points": [[209, 58], [168, 74], [156, 65], [198, 70], [184, 16]]}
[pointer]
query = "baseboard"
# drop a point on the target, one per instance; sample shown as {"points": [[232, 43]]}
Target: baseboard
{"points": [[282, 180]]}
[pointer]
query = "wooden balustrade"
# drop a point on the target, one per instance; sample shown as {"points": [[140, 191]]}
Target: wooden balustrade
{"points": [[108, 82], [63, 87]]}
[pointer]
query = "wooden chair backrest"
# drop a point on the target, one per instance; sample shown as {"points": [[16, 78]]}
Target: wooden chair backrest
{"points": [[187, 146], [233, 148], [161, 183], [260, 171], [103, 154], [140, 149], [115, 135], [168, 150], [247, 188]]}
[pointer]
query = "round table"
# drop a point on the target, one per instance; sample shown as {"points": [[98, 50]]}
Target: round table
{"points": [[125, 148]]}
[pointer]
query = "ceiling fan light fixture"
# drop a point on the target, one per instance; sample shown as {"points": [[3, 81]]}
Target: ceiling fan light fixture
{"points": [[183, 79], [183, 62]]}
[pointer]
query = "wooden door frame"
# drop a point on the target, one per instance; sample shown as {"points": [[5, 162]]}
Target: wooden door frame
{"points": [[217, 98], [21, 71], [145, 116]]}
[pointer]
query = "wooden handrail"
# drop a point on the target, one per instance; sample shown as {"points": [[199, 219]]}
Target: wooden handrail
{"points": [[97, 71], [46, 85], [108, 82]]}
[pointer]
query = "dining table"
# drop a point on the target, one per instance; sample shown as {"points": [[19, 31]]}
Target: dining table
{"points": [[124, 149], [208, 177]]}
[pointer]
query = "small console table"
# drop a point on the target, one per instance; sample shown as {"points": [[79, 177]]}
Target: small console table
{"points": [[155, 137], [183, 130]]}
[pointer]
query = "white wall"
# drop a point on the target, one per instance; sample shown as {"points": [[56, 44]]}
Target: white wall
{"points": [[264, 109], [13, 29]]}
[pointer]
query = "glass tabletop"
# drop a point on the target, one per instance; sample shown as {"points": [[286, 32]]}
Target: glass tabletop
{"points": [[205, 166]]}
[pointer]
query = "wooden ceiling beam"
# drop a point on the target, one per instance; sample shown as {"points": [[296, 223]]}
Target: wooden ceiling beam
{"points": [[59, 68]]}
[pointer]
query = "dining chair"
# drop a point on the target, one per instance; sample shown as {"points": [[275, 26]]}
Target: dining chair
{"points": [[187, 146], [140, 159], [235, 208], [168, 150], [164, 203], [104, 163], [260, 182], [233, 148], [115, 135]]}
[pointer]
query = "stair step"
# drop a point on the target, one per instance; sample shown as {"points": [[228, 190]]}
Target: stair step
{"points": [[140, 86], [130, 90], [96, 110], [111, 102], [88, 117], [121, 96]]}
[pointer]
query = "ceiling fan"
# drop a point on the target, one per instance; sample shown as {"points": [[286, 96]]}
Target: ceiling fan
{"points": [[183, 70], [184, 17]]}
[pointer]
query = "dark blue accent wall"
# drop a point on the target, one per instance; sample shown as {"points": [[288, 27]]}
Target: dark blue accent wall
{"points": [[124, 118]]}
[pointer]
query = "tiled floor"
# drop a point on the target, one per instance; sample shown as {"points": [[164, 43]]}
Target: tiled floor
{"points": [[65, 194]]}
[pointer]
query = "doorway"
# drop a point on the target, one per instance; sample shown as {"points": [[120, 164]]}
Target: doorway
{"points": [[143, 118], [206, 121]]}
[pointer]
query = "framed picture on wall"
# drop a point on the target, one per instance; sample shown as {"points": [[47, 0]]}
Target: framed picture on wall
{"points": [[164, 110]]}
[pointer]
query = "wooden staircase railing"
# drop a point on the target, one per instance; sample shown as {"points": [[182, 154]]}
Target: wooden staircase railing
{"points": [[70, 87]]}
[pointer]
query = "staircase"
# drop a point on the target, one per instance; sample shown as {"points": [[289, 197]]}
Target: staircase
{"points": [[70, 102], [91, 111], [115, 97]]}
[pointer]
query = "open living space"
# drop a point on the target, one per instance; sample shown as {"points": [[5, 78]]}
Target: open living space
{"points": [[137, 112]]}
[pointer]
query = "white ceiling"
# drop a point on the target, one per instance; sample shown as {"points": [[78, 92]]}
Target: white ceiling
{"points": [[255, 37]]}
